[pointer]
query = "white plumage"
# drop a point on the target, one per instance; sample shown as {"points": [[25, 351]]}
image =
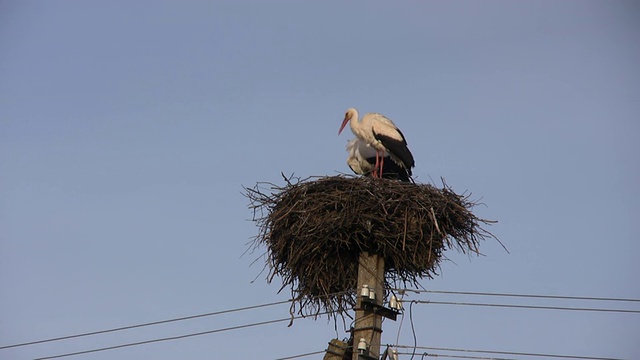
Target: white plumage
{"points": [[381, 135], [359, 152]]}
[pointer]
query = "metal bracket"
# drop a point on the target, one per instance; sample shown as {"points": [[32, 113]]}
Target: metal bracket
{"points": [[370, 305]]}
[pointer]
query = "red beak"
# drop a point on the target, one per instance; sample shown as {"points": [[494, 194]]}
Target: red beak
{"points": [[344, 123]]}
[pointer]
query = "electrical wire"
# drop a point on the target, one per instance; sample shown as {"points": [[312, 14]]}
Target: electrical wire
{"points": [[128, 327], [416, 347], [143, 325], [301, 355], [456, 356], [413, 329], [400, 327], [176, 337], [290, 318], [527, 306], [590, 298], [515, 353]]}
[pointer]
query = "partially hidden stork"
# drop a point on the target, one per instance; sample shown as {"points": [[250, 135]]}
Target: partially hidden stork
{"points": [[380, 133], [362, 159]]}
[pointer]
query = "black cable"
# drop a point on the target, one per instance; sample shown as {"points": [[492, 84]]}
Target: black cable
{"points": [[400, 326], [176, 337], [152, 323], [457, 356], [413, 330], [302, 355], [142, 325], [527, 306], [410, 313], [418, 291], [504, 352]]}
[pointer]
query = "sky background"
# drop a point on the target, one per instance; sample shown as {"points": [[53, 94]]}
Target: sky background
{"points": [[128, 128]]}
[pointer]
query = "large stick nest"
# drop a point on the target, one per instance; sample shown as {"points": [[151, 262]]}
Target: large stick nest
{"points": [[314, 231]]}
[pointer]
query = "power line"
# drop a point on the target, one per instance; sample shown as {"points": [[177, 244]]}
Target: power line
{"points": [[177, 337], [527, 306], [301, 355], [143, 325], [591, 298], [413, 330], [456, 356], [409, 290], [503, 352]]}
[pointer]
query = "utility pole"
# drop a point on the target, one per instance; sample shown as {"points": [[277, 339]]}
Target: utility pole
{"points": [[368, 322]]}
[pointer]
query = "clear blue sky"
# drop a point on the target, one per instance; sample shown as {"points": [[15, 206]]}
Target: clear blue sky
{"points": [[127, 129]]}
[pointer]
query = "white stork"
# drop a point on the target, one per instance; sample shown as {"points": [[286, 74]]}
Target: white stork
{"points": [[380, 133], [362, 159]]}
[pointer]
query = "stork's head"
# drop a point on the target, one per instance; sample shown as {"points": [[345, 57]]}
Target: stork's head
{"points": [[351, 112]]}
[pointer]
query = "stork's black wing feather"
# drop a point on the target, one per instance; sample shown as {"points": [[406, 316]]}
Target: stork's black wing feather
{"points": [[391, 170], [397, 148]]}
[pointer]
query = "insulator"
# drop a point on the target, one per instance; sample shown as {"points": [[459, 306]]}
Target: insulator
{"points": [[394, 355], [393, 302], [365, 291], [362, 345]]}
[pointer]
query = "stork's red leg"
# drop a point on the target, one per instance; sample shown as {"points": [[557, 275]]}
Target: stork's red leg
{"points": [[375, 167], [381, 165]]}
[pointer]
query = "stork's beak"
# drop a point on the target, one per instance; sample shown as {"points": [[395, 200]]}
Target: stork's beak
{"points": [[344, 123]]}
